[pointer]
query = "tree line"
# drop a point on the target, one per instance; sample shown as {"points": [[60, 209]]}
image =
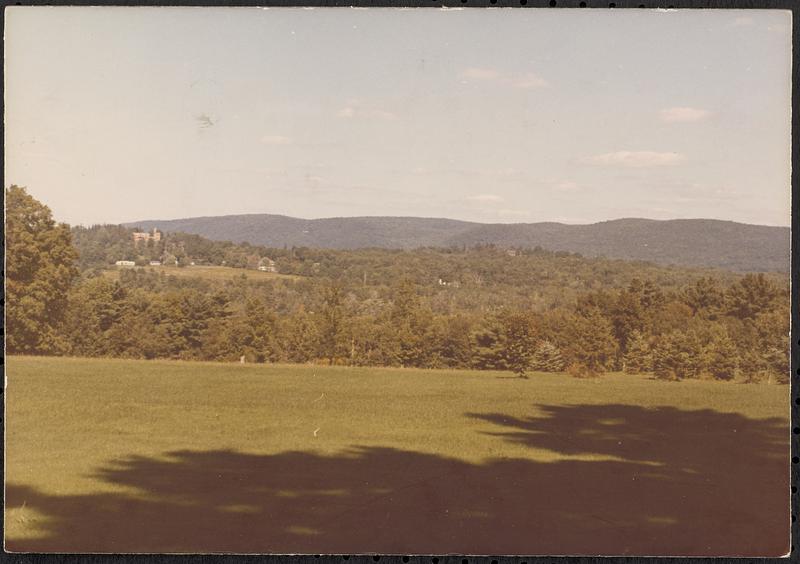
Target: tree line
{"points": [[676, 324]]}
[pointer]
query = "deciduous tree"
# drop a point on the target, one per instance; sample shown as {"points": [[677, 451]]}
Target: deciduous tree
{"points": [[41, 269]]}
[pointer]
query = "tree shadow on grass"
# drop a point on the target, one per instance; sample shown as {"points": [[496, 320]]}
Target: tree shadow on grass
{"points": [[720, 480], [673, 482]]}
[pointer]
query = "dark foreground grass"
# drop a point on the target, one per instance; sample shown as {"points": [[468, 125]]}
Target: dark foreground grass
{"points": [[131, 456]]}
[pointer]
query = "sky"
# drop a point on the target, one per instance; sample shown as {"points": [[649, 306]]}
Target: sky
{"points": [[489, 115]]}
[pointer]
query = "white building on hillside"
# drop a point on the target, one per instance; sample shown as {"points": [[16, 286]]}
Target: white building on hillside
{"points": [[266, 264], [145, 236]]}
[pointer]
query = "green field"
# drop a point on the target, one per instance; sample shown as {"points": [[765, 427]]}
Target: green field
{"points": [[206, 272], [118, 456]]}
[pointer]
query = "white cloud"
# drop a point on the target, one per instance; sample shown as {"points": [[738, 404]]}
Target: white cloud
{"points": [[485, 198], [683, 114], [634, 159], [525, 81], [276, 140]]}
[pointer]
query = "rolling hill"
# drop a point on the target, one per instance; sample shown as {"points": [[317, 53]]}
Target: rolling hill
{"points": [[689, 242]]}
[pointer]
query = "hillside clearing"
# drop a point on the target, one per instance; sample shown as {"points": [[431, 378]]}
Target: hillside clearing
{"points": [[206, 272]]}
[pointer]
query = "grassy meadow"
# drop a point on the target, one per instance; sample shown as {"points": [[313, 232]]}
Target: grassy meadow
{"points": [[203, 272], [119, 455]]}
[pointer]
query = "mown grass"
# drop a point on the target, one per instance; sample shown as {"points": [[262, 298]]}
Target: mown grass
{"points": [[206, 272], [67, 417]]}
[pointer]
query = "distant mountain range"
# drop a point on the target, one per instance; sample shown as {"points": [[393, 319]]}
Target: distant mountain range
{"points": [[688, 242]]}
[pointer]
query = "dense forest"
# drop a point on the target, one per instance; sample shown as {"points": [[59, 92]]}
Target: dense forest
{"points": [[464, 278], [464, 307]]}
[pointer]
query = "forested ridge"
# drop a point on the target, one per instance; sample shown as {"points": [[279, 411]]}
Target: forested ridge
{"points": [[476, 306], [689, 242]]}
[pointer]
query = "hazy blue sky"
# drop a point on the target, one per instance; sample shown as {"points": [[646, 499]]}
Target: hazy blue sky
{"points": [[120, 114]]}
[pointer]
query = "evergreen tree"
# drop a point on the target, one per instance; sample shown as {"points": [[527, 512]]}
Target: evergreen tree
{"points": [[652, 297], [673, 316], [372, 342], [519, 342], [451, 339], [751, 295], [639, 357], [300, 337], [721, 357], [677, 355], [506, 341], [772, 330], [593, 343], [488, 345], [331, 323], [547, 358], [626, 316], [411, 325], [666, 357], [776, 361], [405, 302], [705, 297], [259, 338]]}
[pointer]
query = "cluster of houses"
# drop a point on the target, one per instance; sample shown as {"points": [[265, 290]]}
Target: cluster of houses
{"points": [[145, 236], [265, 264], [132, 263]]}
